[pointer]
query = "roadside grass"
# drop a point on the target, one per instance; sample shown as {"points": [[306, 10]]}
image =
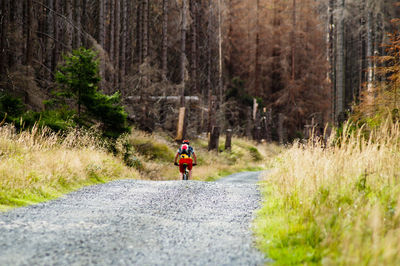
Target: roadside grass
{"points": [[156, 153], [334, 205], [39, 165]]}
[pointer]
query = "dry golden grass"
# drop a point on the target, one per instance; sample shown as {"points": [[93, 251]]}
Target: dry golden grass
{"points": [[156, 153], [335, 205], [38, 165]]}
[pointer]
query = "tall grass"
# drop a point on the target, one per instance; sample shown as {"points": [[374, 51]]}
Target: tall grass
{"points": [[335, 204], [38, 164]]}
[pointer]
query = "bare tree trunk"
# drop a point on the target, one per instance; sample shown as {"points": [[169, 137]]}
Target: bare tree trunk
{"points": [[58, 32], [102, 34], [183, 51], [361, 48], [84, 22], [213, 144], [123, 39], [340, 76], [69, 29], [101, 23], [332, 77], [369, 55], [209, 60], [131, 27], [257, 53], [294, 40], [145, 38], [29, 38], [117, 37], [49, 41], [112, 30], [19, 17], [220, 81], [165, 40], [107, 26], [193, 11], [4, 23], [139, 32], [230, 64], [78, 11]]}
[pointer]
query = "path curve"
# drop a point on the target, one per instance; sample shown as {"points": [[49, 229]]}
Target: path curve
{"points": [[132, 222]]}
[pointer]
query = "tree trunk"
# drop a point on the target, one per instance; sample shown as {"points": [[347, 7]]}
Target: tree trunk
{"points": [[209, 62], [107, 26], [123, 40], [193, 11], [214, 139], [112, 30], [49, 41], [84, 22], [369, 56], [101, 38], [130, 42], [228, 141], [117, 37], [361, 48], [78, 10], [101, 23], [340, 76], [220, 81], [183, 51], [145, 38], [58, 32], [332, 77], [164, 56], [257, 53], [294, 40], [4, 23], [30, 30], [139, 32], [19, 17], [69, 29]]}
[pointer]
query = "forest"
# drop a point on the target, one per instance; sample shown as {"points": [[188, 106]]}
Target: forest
{"points": [[265, 69], [98, 91]]}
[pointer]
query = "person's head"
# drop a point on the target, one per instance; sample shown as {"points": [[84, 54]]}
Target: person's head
{"points": [[186, 141]]}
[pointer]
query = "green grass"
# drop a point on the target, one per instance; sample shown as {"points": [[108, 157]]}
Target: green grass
{"points": [[334, 205], [285, 236]]}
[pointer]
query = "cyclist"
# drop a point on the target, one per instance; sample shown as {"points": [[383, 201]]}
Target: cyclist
{"points": [[185, 154]]}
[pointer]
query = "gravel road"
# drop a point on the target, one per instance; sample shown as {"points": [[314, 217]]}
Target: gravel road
{"points": [[132, 222]]}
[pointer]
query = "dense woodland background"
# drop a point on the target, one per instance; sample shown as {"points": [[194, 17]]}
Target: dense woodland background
{"points": [[264, 68]]}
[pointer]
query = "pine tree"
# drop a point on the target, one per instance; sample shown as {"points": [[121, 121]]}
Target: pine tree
{"points": [[79, 78]]}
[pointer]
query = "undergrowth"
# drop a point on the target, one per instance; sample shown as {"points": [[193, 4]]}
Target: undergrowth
{"points": [[334, 204]]}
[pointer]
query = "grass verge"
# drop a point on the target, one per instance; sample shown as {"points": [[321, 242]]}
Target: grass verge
{"points": [[38, 165], [334, 205]]}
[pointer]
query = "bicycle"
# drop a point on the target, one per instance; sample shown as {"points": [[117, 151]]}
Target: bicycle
{"points": [[185, 175], [185, 172]]}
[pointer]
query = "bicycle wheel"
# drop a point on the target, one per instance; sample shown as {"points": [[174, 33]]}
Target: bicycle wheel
{"points": [[185, 172]]}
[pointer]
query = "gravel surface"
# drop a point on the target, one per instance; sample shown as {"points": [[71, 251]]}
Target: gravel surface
{"points": [[138, 222]]}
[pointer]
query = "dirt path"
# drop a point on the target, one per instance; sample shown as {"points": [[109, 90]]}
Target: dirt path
{"points": [[138, 222]]}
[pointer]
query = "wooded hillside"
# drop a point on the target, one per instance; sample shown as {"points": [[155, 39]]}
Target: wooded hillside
{"points": [[301, 61]]}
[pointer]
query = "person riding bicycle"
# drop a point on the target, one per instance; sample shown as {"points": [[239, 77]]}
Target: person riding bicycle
{"points": [[185, 154]]}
